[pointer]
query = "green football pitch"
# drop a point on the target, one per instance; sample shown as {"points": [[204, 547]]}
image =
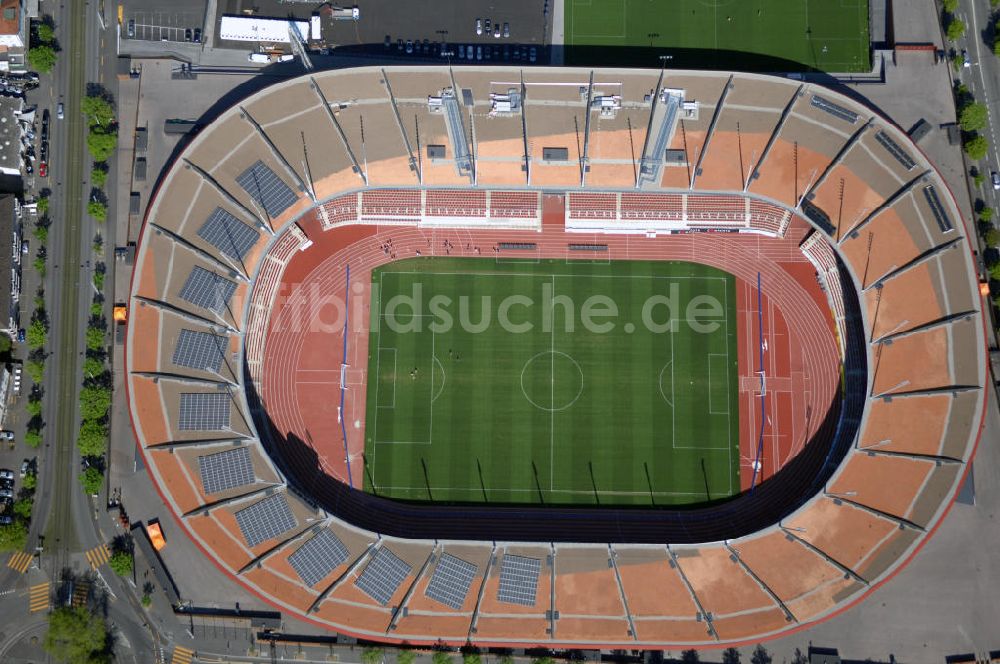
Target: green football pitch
{"points": [[757, 35], [553, 382]]}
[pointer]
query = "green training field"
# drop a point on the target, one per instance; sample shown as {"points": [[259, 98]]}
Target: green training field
{"points": [[827, 35], [512, 391]]}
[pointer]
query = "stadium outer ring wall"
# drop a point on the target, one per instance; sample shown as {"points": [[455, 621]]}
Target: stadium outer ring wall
{"points": [[845, 270]]}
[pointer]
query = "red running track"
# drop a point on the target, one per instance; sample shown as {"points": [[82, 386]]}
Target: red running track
{"points": [[303, 351]]}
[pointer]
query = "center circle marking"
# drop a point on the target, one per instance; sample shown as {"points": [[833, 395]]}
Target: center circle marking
{"points": [[550, 363]]}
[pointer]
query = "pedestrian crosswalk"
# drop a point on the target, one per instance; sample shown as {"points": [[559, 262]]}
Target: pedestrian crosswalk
{"points": [[98, 556], [38, 597], [182, 655], [20, 561]]}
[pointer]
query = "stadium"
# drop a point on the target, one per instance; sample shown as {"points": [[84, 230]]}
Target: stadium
{"points": [[386, 369]]}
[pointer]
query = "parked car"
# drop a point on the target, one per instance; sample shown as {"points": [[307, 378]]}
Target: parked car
{"points": [[479, 53], [24, 467], [409, 46], [995, 179], [506, 30], [489, 26], [24, 247], [966, 61], [496, 31], [506, 52], [479, 26], [43, 170], [60, 111], [6, 474], [427, 46], [131, 28], [6, 493], [188, 34], [532, 54], [399, 44], [197, 35], [388, 41], [6, 520]]}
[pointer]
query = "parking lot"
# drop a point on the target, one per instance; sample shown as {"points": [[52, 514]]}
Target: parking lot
{"points": [[148, 20], [385, 28]]}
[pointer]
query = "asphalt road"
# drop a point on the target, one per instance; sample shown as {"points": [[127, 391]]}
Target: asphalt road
{"points": [[983, 79], [64, 518]]}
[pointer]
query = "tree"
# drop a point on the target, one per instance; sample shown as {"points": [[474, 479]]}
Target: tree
{"points": [[22, 507], [995, 272], [505, 659], [992, 238], [101, 143], [95, 338], [760, 655], [98, 111], [33, 438], [976, 147], [471, 658], [92, 440], [440, 657], [94, 402], [121, 563], [405, 657], [986, 214], [13, 536], [97, 210], [43, 205], [146, 600], [30, 481], [39, 265], [730, 656], [372, 655], [36, 334], [42, 58], [955, 30], [92, 367], [690, 656], [973, 117], [98, 176], [996, 44], [46, 33], [34, 406], [78, 636], [92, 480], [35, 369], [41, 233]]}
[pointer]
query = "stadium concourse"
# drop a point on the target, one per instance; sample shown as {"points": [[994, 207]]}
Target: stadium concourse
{"points": [[882, 371]]}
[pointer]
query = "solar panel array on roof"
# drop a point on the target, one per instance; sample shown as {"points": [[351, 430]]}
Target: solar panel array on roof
{"points": [[228, 234], [451, 581], [200, 350], [204, 411], [266, 519], [885, 140], [207, 290], [318, 557], [267, 189], [836, 110], [226, 470], [940, 216], [519, 580], [383, 576]]}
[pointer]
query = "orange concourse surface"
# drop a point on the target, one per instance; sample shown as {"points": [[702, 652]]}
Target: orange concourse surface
{"points": [[861, 355]]}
